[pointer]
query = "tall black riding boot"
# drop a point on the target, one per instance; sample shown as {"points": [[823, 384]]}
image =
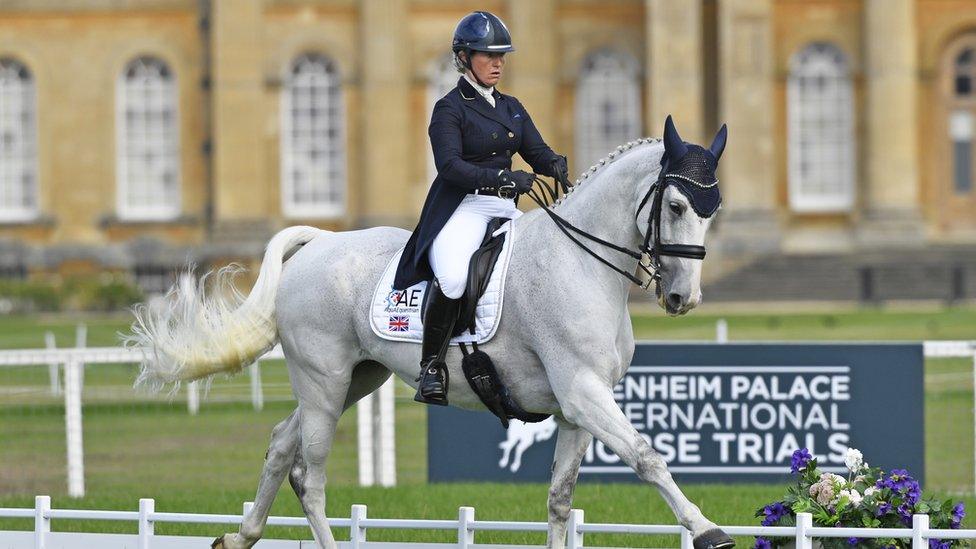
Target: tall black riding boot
{"points": [[439, 320]]}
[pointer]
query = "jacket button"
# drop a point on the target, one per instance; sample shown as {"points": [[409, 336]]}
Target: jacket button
{"points": [[494, 135], [493, 153], [511, 135], [508, 152]]}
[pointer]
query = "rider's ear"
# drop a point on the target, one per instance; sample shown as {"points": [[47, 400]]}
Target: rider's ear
{"points": [[673, 145], [718, 144]]}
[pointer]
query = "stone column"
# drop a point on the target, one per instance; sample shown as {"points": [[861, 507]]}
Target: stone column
{"points": [[241, 188], [749, 221], [531, 73], [890, 203], [674, 75], [384, 115]]}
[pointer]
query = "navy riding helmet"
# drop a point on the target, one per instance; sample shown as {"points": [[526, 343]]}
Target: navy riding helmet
{"points": [[481, 31]]}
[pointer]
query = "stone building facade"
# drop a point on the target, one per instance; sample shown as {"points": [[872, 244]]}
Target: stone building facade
{"points": [[135, 135]]}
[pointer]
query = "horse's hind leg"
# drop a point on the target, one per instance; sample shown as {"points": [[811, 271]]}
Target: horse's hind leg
{"points": [[281, 454], [571, 444]]}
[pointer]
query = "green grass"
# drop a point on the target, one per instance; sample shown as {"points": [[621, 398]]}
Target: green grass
{"points": [[209, 463]]}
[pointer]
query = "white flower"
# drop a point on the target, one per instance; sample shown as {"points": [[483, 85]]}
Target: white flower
{"points": [[854, 460], [869, 491], [852, 496]]}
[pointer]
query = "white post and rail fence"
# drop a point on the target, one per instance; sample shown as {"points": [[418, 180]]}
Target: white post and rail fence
{"points": [[359, 524]]}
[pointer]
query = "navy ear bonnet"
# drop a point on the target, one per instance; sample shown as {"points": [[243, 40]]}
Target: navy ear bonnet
{"points": [[694, 175], [691, 168]]}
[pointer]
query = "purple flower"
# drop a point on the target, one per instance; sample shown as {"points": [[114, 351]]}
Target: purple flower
{"points": [[853, 541], [800, 459], [773, 512], [762, 543], [939, 544], [905, 513], [958, 512], [883, 509]]}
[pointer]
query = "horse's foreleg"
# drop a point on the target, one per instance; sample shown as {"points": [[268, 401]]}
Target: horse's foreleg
{"points": [[571, 444], [281, 454], [589, 403]]}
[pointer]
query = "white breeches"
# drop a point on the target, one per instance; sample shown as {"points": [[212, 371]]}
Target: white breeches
{"points": [[461, 236]]}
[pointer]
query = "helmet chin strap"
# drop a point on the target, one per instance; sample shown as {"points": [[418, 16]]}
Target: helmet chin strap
{"points": [[467, 65]]}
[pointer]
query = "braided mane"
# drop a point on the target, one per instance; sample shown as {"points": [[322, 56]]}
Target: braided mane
{"points": [[603, 162]]}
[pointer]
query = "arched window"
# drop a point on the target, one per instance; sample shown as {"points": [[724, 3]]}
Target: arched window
{"points": [[313, 166], [18, 143], [441, 79], [962, 112], [608, 106], [148, 138], [820, 119]]}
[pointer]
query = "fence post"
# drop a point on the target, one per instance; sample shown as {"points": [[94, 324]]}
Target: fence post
{"points": [[687, 541], [193, 398], [42, 524], [147, 506], [574, 538], [81, 341], [257, 392], [72, 421], [248, 505], [804, 521], [53, 367], [357, 533], [920, 526], [364, 421], [465, 533], [386, 449], [721, 331]]}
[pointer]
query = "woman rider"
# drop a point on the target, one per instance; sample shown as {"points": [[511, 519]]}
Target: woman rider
{"points": [[474, 131]]}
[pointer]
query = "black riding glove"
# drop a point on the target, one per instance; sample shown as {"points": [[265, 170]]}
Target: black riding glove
{"points": [[560, 169], [521, 180]]}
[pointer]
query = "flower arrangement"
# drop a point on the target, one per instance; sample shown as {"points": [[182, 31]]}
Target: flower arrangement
{"points": [[868, 497]]}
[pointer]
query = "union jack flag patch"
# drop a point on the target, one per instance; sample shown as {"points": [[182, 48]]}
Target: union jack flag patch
{"points": [[399, 324]]}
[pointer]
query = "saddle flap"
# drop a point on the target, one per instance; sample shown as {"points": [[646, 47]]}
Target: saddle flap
{"points": [[480, 266]]}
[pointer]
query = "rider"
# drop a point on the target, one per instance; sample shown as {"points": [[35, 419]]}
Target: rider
{"points": [[474, 131]]}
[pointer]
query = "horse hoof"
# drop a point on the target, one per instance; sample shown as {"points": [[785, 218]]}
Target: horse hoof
{"points": [[714, 539], [218, 543]]}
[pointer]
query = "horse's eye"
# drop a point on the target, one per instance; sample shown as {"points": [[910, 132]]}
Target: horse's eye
{"points": [[676, 209]]}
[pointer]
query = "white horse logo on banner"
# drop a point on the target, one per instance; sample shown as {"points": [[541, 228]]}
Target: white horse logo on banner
{"points": [[521, 436]]}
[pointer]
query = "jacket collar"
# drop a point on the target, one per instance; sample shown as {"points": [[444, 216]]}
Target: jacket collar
{"points": [[474, 100]]}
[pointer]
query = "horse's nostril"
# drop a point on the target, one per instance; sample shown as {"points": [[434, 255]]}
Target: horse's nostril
{"points": [[674, 301]]}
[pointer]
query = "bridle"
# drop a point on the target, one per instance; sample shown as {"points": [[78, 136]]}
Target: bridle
{"points": [[654, 251]]}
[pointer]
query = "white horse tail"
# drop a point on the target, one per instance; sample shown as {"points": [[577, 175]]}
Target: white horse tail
{"points": [[192, 334]]}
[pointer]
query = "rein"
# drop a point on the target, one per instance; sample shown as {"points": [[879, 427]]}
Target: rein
{"points": [[654, 252]]}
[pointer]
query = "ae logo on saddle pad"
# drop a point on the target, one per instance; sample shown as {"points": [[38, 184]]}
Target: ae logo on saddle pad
{"points": [[718, 412]]}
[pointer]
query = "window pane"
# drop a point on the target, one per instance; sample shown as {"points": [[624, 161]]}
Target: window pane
{"points": [[18, 160], [148, 178], [820, 118], [962, 166], [964, 85], [608, 110]]}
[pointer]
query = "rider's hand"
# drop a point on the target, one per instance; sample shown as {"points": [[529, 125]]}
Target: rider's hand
{"points": [[522, 180], [560, 169]]}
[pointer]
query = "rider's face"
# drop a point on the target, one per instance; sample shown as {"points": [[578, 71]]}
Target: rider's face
{"points": [[487, 66]]}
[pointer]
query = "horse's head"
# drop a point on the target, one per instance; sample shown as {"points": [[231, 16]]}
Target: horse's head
{"points": [[677, 215]]}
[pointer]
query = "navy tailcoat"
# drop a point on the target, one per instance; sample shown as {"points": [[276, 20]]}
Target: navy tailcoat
{"points": [[471, 141]]}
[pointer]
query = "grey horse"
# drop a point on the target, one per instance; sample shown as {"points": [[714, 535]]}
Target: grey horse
{"points": [[559, 356]]}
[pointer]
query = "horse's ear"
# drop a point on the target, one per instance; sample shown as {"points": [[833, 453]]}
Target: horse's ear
{"points": [[673, 145], [718, 144]]}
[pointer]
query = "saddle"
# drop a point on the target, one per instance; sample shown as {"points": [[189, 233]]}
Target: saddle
{"points": [[478, 368]]}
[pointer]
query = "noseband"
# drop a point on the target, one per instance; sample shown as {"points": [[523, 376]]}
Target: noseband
{"points": [[653, 251]]}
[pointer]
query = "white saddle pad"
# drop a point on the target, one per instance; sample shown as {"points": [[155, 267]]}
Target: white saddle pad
{"points": [[395, 315]]}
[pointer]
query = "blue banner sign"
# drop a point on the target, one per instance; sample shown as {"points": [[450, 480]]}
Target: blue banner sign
{"points": [[719, 413]]}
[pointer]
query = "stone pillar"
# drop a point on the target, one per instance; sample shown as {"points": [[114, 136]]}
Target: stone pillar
{"points": [[749, 222], [384, 115], [531, 70], [241, 188], [890, 203], [674, 75]]}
